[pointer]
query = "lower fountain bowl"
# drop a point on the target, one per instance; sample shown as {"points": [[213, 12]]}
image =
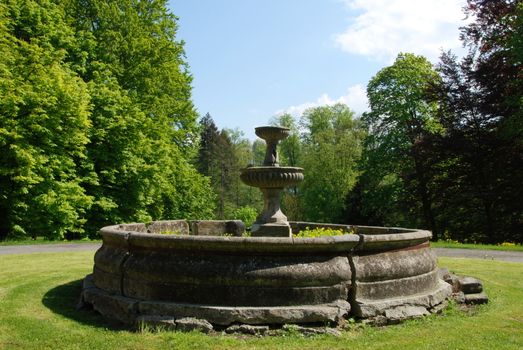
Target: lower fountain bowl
{"points": [[204, 272]]}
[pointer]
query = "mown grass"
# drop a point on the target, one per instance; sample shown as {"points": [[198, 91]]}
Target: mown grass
{"points": [[42, 240], [453, 244], [38, 294]]}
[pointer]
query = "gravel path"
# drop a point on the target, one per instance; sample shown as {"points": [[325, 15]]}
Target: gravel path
{"points": [[500, 255], [48, 248], [446, 252]]}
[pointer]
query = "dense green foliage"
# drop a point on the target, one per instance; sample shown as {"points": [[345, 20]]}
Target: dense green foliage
{"points": [[480, 155], [396, 169], [332, 141], [96, 121], [321, 232], [444, 150]]}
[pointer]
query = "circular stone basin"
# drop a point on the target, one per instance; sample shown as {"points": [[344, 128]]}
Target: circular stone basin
{"points": [[271, 177], [271, 133], [208, 271]]}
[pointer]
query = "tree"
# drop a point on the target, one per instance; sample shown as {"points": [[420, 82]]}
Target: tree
{"points": [[144, 123], [482, 96], [44, 125], [243, 199], [332, 145], [96, 124], [216, 159], [290, 147], [400, 119]]}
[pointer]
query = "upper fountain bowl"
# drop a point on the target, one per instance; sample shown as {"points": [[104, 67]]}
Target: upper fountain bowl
{"points": [[272, 133]]}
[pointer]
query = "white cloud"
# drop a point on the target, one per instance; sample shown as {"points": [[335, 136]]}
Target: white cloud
{"points": [[384, 28], [355, 98]]}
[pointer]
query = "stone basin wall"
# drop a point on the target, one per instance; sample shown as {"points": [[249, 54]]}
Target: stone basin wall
{"points": [[208, 270]]}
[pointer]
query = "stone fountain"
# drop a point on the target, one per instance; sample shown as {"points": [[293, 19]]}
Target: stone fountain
{"points": [[212, 272], [271, 178]]}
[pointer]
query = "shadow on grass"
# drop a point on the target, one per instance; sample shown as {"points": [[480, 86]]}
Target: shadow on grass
{"points": [[64, 299]]}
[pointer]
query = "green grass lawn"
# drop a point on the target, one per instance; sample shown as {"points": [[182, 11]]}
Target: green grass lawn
{"points": [[38, 293]]}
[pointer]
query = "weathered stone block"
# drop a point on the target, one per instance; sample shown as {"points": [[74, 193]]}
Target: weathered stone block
{"points": [[136, 227], [188, 324], [445, 275], [217, 227], [310, 331], [112, 306], [247, 329], [372, 308], [459, 297], [470, 285], [178, 226], [271, 230], [250, 315], [156, 322], [475, 299], [394, 265], [397, 288], [439, 308], [405, 312]]}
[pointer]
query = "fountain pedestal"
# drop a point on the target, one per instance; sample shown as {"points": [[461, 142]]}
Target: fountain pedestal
{"points": [[271, 221], [271, 179]]}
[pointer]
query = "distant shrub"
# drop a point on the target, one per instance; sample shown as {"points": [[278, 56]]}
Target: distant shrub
{"points": [[246, 214]]}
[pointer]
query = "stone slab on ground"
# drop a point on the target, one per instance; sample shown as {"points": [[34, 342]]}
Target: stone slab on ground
{"points": [[310, 331], [476, 299], [470, 285], [223, 315], [115, 307], [405, 312], [156, 322], [372, 308], [247, 329], [189, 324]]}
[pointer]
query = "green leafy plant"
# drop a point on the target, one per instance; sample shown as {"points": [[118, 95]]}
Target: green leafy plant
{"points": [[246, 214], [321, 231], [177, 233]]}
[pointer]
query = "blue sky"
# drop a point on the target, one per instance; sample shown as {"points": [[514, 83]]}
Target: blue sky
{"points": [[253, 59]]}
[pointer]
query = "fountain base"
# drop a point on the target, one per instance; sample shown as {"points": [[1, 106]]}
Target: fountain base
{"points": [[271, 230]]}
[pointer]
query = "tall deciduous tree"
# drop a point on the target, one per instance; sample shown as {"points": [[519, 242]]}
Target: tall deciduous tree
{"points": [[96, 123], [332, 145], [399, 120], [44, 109], [144, 121]]}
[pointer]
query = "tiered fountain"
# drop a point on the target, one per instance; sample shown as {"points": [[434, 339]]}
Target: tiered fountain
{"points": [[210, 271], [271, 178]]}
